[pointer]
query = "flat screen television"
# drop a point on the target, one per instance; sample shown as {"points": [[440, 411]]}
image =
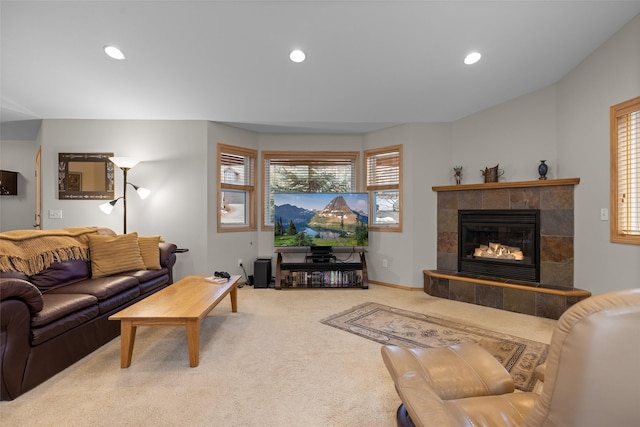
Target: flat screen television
{"points": [[321, 220]]}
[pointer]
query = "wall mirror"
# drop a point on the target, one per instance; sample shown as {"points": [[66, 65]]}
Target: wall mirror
{"points": [[85, 176]]}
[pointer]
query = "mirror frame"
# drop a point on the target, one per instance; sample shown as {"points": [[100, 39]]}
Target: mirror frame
{"points": [[65, 193]]}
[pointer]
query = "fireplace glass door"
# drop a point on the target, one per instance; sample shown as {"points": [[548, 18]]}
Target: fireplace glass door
{"points": [[500, 243]]}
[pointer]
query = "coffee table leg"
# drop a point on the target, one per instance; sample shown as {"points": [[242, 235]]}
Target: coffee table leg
{"points": [[234, 299], [193, 342], [127, 339]]}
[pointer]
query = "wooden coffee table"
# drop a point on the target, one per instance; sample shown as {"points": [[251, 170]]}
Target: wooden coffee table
{"points": [[186, 302]]}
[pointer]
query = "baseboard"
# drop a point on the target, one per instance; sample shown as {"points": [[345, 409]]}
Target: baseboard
{"points": [[393, 285]]}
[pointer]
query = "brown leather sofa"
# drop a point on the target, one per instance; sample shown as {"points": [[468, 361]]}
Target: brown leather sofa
{"points": [[51, 319], [591, 375]]}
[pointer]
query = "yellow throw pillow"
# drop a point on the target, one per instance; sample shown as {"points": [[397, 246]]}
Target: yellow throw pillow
{"points": [[150, 250], [114, 254]]}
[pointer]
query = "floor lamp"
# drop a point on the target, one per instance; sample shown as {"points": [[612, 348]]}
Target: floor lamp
{"points": [[124, 163]]}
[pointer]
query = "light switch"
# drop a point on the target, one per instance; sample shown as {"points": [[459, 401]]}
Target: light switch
{"points": [[604, 214], [55, 214]]}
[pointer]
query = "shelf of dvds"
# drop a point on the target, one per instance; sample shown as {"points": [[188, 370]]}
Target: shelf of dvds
{"points": [[333, 269]]}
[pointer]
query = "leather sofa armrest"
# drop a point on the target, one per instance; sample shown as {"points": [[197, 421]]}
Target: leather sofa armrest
{"points": [[464, 370], [167, 254], [22, 290], [168, 257]]}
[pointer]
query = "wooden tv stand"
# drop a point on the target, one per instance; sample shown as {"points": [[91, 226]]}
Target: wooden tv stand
{"points": [[334, 269]]}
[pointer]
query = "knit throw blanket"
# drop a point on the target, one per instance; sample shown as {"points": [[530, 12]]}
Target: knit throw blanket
{"points": [[31, 251]]}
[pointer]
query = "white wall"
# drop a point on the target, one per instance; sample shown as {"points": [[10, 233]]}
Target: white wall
{"points": [[18, 212], [173, 164], [607, 77], [414, 249], [224, 249], [516, 135]]}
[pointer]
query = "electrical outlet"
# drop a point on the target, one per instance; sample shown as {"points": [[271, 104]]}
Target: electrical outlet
{"points": [[385, 264], [239, 262], [55, 214]]}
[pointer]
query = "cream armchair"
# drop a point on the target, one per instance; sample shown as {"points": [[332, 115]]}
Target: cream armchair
{"points": [[591, 375]]}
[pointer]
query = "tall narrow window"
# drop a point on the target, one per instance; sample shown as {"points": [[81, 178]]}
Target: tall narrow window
{"points": [[236, 188], [384, 183], [625, 172], [306, 172]]}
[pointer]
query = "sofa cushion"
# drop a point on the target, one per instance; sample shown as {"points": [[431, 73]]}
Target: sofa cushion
{"points": [[61, 313], [117, 302], [57, 306], [101, 288], [114, 254], [60, 274], [150, 251]]}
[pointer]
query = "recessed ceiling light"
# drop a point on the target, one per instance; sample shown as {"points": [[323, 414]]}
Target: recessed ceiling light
{"points": [[472, 58], [297, 55], [113, 52]]}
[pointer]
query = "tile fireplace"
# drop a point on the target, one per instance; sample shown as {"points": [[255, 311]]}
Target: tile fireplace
{"points": [[507, 245]]}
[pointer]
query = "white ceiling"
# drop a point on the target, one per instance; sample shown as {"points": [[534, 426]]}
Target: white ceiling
{"points": [[370, 64]]}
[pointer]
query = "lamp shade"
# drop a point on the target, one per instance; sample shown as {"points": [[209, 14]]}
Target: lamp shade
{"points": [[124, 162], [143, 192], [108, 206]]}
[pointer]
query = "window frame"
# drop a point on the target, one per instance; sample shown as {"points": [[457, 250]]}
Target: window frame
{"points": [[248, 188], [302, 157], [372, 189], [626, 108]]}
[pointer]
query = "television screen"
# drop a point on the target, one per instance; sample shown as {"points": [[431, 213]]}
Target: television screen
{"points": [[321, 219]]}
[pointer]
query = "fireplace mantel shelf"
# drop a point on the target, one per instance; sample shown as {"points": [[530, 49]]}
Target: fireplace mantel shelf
{"points": [[518, 184]]}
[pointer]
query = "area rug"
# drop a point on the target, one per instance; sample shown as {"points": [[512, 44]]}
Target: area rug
{"points": [[388, 325]]}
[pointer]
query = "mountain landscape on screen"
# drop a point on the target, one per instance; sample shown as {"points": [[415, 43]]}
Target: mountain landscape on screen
{"points": [[321, 219]]}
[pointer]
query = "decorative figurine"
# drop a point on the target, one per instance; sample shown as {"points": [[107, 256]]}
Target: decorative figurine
{"points": [[492, 174], [543, 169], [458, 174]]}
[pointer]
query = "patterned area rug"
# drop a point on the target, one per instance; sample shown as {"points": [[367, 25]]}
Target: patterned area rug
{"points": [[388, 325]]}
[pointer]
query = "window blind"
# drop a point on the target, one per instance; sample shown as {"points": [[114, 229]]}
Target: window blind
{"points": [[236, 169], [628, 191], [383, 170], [625, 172]]}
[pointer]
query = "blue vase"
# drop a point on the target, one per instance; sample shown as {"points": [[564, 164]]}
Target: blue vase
{"points": [[543, 169]]}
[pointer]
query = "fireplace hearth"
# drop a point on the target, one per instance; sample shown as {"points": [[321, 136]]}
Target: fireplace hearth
{"points": [[501, 243]]}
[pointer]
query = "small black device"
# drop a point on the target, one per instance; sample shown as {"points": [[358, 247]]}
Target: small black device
{"points": [[222, 274], [262, 273]]}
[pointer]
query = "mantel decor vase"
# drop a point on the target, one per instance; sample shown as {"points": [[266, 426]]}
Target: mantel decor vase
{"points": [[543, 169]]}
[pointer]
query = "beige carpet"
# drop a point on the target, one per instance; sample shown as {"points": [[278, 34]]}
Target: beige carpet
{"points": [[389, 325], [271, 364]]}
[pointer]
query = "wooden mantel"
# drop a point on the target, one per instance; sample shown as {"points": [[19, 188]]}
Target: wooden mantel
{"points": [[518, 184]]}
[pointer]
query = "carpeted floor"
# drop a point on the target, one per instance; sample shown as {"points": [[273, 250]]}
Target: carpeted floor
{"points": [[388, 325], [270, 364]]}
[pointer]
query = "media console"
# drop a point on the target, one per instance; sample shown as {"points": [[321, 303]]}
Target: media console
{"points": [[342, 267]]}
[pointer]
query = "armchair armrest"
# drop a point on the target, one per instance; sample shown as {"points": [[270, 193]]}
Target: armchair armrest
{"points": [[540, 371], [455, 372]]}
